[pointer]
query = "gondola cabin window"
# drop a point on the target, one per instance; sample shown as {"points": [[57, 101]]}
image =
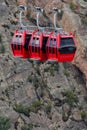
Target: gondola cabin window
{"points": [[66, 41], [35, 44], [67, 46], [17, 42], [44, 44], [27, 40]]}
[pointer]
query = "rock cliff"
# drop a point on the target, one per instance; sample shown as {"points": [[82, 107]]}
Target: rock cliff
{"points": [[43, 96]]}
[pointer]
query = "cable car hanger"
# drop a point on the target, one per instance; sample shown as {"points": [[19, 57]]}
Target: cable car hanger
{"points": [[39, 10], [22, 8], [55, 11]]}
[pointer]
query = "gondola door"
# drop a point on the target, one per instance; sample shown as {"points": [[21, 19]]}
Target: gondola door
{"points": [[52, 50], [35, 48]]}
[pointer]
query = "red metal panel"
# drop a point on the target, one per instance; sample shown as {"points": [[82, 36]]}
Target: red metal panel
{"points": [[52, 48], [66, 57], [35, 46], [14, 44]]}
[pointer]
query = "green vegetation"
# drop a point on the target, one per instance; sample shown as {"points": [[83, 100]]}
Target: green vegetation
{"points": [[12, 21], [85, 97], [83, 115], [55, 66], [21, 109], [30, 78], [84, 20], [2, 49], [36, 82], [46, 69], [28, 14], [60, 14], [52, 68], [48, 108], [27, 127], [5, 123], [66, 72], [52, 71], [7, 92], [71, 98], [64, 117], [0, 38], [35, 106], [72, 6], [38, 70], [11, 33]]}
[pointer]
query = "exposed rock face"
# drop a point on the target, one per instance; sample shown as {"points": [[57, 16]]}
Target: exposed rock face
{"points": [[42, 96], [73, 23]]}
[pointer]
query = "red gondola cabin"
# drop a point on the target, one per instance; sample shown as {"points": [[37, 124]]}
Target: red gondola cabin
{"points": [[66, 48], [35, 46], [18, 43]]}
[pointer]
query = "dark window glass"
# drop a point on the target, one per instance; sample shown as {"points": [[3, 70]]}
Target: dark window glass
{"points": [[67, 50], [67, 46], [66, 42], [27, 40], [44, 44]]}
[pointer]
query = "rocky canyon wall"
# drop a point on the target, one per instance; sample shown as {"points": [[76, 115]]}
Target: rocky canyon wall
{"points": [[70, 22]]}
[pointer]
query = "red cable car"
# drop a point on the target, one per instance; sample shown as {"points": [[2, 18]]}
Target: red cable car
{"points": [[18, 43], [41, 45], [66, 48], [35, 46], [51, 47]]}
